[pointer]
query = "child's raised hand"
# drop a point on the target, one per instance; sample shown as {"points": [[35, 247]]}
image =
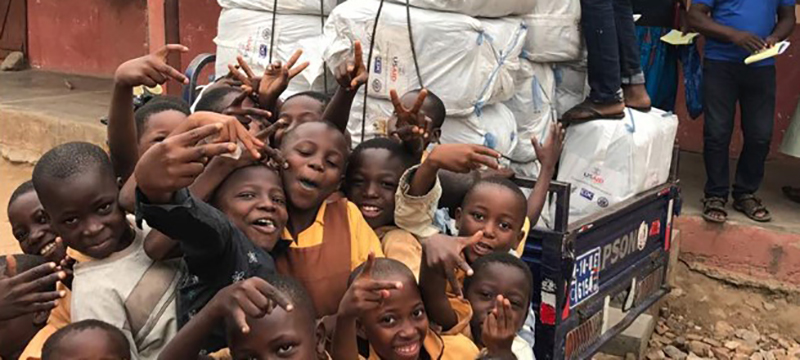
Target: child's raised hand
{"points": [[232, 130], [498, 330], [150, 70], [275, 79], [549, 152], [463, 158], [22, 294], [273, 158], [254, 297], [444, 254], [410, 122], [365, 293], [246, 115], [351, 75]]}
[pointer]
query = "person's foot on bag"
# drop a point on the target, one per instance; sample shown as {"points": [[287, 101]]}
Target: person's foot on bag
{"points": [[589, 110], [636, 97]]}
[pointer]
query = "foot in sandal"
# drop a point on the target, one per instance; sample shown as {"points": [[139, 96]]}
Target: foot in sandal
{"points": [[636, 97], [752, 207], [714, 210], [589, 110]]}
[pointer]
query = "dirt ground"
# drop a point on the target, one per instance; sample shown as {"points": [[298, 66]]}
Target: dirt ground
{"points": [[11, 175]]}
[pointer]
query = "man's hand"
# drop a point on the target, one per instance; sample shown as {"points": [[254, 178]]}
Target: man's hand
{"points": [[253, 297], [177, 161], [150, 70], [274, 81], [549, 152], [748, 41], [498, 330], [463, 158], [351, 75], [365, 293], [444, 254], [771, 41], [22, 294]]}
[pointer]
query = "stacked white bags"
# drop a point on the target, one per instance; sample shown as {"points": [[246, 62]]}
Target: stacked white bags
{"points": [[609, 161], [246, 28], [478, 8], [470, 63]]}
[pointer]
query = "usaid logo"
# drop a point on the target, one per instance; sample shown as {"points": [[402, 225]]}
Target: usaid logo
{"points": [[594, 176]]}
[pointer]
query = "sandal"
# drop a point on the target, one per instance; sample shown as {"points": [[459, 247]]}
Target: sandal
{"points": [[585, 111], [751, 206], [714, 205], [792, 193]]}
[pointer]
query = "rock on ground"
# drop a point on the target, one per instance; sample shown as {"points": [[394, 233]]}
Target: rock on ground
{"points": [[13, 62]]}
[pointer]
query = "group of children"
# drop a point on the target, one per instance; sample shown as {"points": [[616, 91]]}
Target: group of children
{"points": [[247, 228]]}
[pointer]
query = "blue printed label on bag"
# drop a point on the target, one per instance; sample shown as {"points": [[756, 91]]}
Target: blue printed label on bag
{"points": [[587, 194], [378, 65]]}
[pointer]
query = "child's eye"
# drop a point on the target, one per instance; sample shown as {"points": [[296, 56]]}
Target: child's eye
{"points": [[418, 313], [332, 164], [71, 221], [246, 195], [279, 200], [505, 226], [486, 295], [286, 349], [388, 320], [104, 209], [389, 185], [477, 216], [41, 218], [21, 235]]}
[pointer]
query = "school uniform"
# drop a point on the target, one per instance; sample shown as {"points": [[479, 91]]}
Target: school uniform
{"points": [[323, 255], [131, 292], [402, 246], [442, 347], [216, 253]]}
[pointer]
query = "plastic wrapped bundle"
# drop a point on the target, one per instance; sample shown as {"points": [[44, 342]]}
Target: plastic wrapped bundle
{"points": [[297, 7], [572, 86], [494, 126], [249, 33], [532, 106], [609, 161], [554, 31], [480, 8], [468, 63]]}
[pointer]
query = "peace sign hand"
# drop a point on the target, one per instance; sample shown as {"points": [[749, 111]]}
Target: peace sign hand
{"points": [[274, 158], [254, 298], [444, 254], [351, 75], [411, 123], [22, 294], [498, 330], [365, 293], [150, 70], [274, 81]]}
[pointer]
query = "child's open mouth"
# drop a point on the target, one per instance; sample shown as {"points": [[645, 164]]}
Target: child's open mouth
{"points": [[482, 248], [47, 249], [410, 350], [370, 211], [265, 225], [308, 184]]}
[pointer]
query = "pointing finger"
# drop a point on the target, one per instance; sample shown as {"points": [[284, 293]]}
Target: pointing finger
{"points": [[292, 60], [420, 101], [294, 71], [245, 67], [398, 106]]}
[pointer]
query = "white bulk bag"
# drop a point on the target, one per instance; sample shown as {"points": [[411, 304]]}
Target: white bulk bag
{"points": [[298, 7], [481, 8], [532, 106], [554, 31], [572, 85], [609, 161], [248, 33], [467, 62]]}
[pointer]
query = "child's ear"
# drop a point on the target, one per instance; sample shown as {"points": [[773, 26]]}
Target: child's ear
{"points": [[40, 317], [435, 135], [458, 215], [321, 337]]}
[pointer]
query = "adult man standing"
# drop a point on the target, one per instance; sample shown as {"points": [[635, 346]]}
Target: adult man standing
{"points": [[734, 30]]}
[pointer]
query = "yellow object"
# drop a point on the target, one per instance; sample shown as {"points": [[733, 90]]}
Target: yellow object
{"points": [[774, 51], [362, 239], [156, 90], [402, 246], [443, 347], [676, 37]]}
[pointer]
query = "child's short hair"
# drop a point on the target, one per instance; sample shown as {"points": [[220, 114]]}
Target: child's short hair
{"points": [[499, 181], [329, 125], [396, 149], [437, 106], [70, 159], [212, 100], [324, 99], [155, 106], [384, 268], [22, 189], [25, 262], [295, 291], [504, 259], [52, 345]]}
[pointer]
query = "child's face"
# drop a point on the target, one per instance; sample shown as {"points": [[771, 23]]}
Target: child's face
{"points": [[31, 227], [279, 335], [497, 279], [397, 329], [316, 155], [91, 344], [298, 110], [497, 212], [253, 199], [372, 184], [84, 211], [158, 126]]}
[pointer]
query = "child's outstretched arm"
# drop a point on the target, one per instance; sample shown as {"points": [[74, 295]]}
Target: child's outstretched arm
{"points": [[459, 158], [441, 256], [548, 155], [149, 71], [350, 76], [273, 83], [364, 294], [253, 297]]}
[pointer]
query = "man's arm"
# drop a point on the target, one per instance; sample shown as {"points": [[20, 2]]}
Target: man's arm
{"points": [[700, 20], [785, 26]]}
